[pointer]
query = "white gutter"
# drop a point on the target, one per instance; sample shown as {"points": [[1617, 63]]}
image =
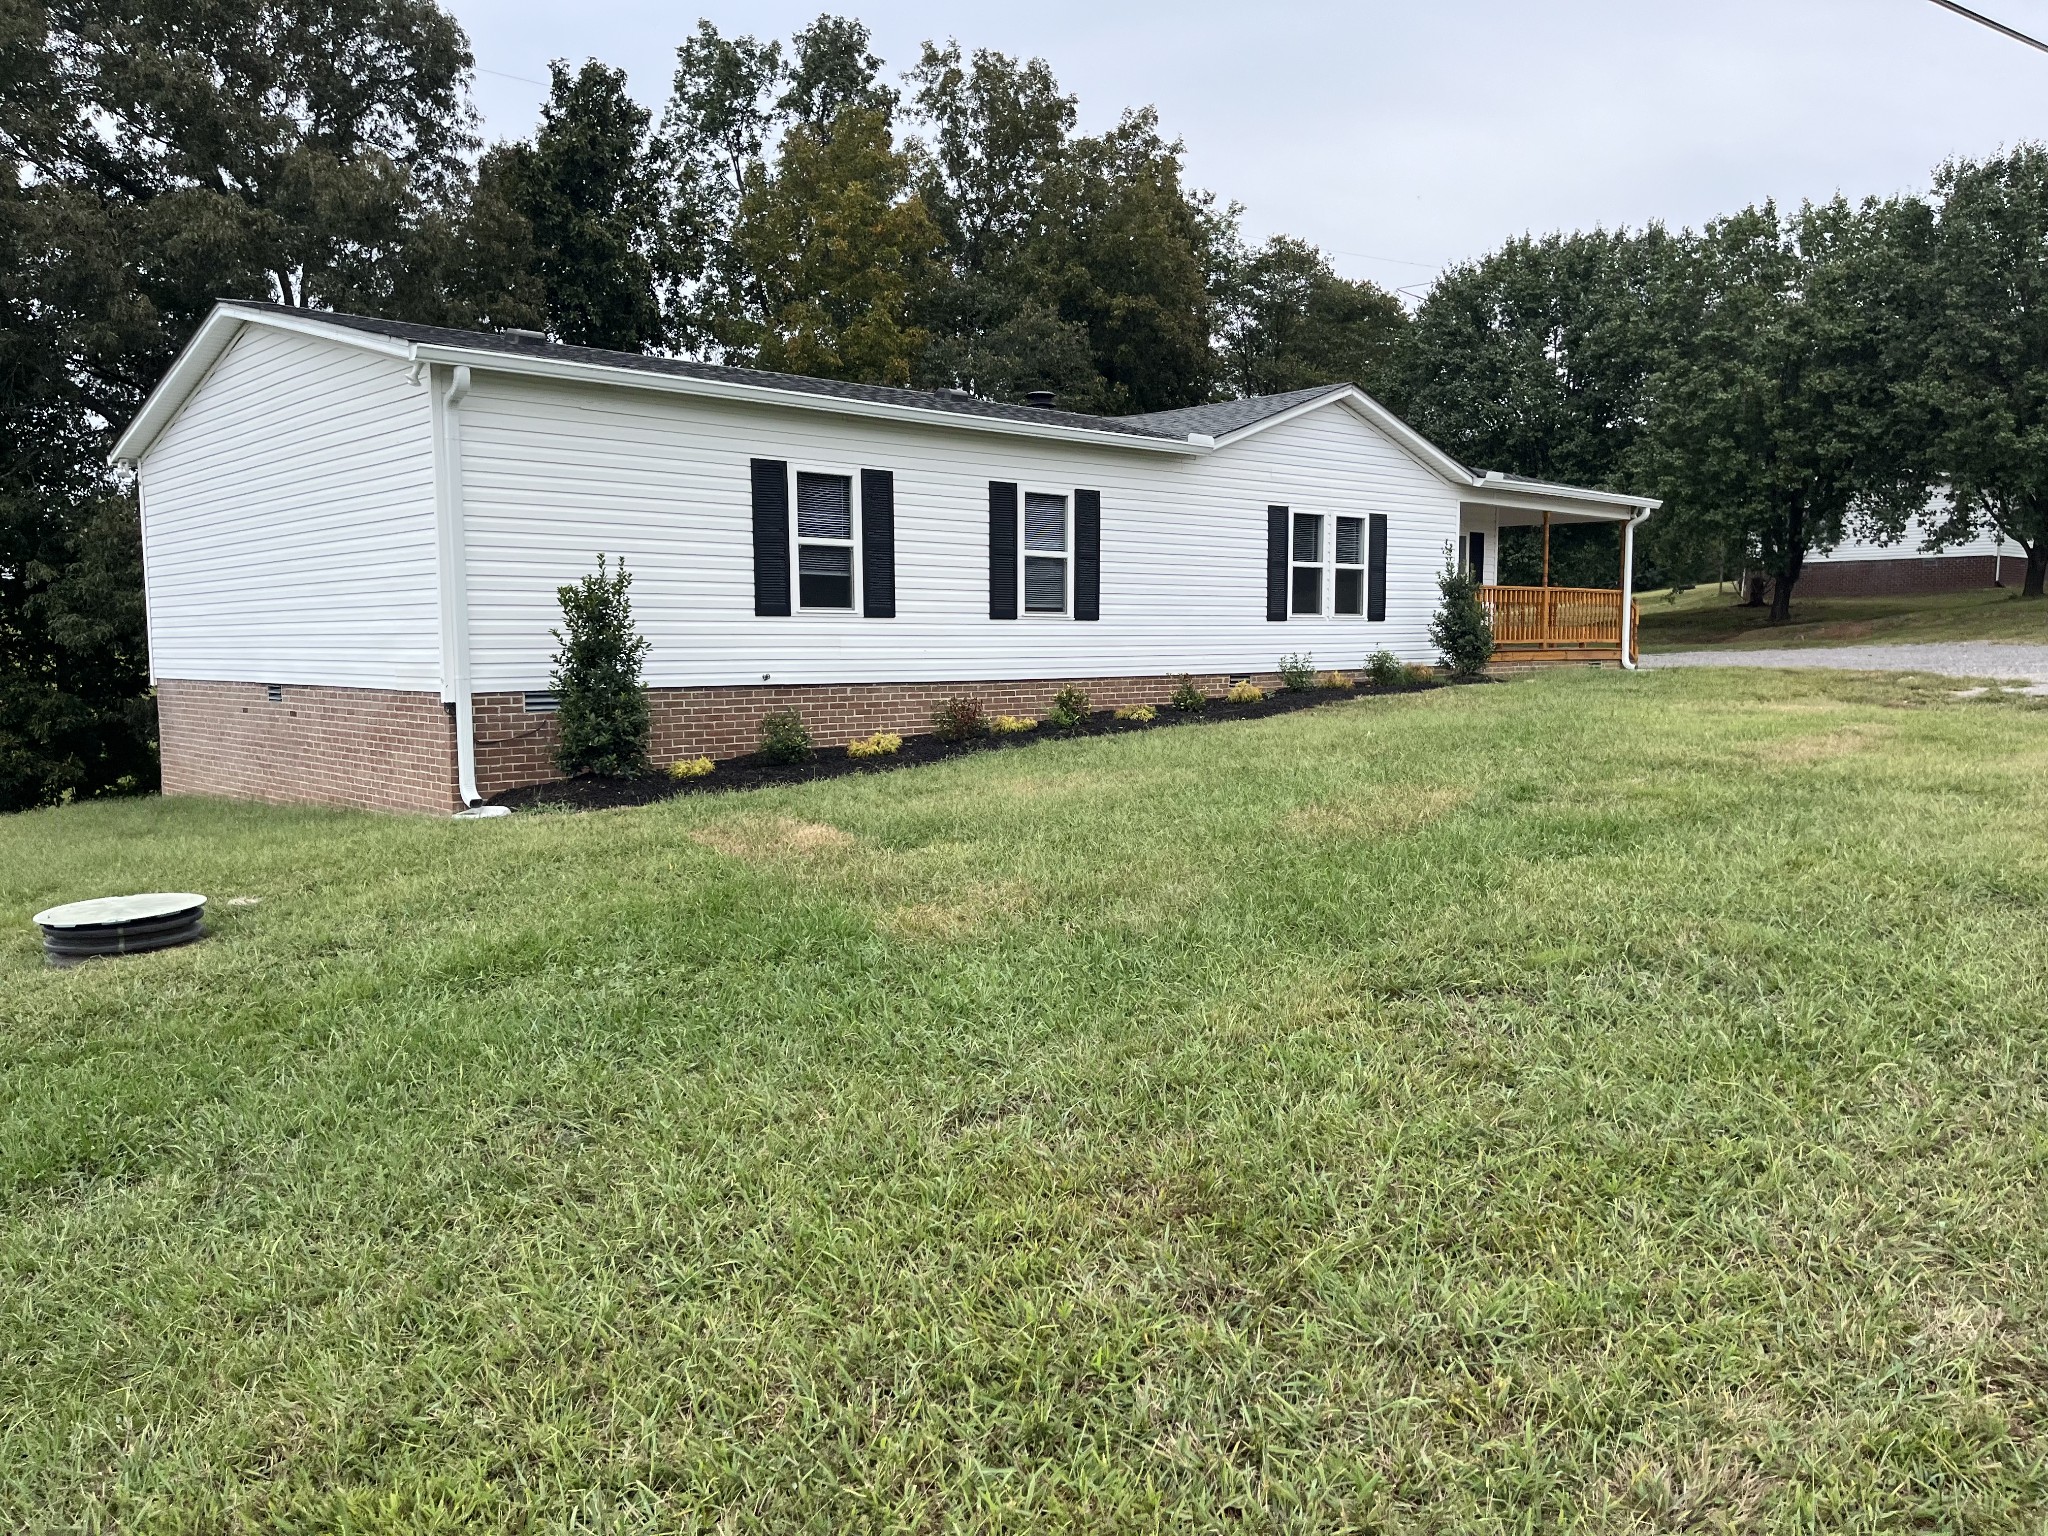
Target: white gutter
{"points": [[452, 560], [1628, 585]]}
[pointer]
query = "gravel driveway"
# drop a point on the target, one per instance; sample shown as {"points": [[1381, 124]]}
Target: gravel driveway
{"points": [[1946, 658]]}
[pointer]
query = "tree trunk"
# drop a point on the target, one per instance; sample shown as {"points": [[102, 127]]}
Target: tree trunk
{"points": [[1752, 589], [1781, 599], [2037, 568]]}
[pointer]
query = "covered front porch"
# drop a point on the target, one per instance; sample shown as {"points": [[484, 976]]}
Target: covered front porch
{"points": [[1543, 623]]}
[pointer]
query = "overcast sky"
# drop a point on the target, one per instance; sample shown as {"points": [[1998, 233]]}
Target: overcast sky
{"points": [[1400, 137]]}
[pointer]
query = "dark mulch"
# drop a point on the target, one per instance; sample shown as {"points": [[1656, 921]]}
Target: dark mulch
{"points": [[597, 792]]}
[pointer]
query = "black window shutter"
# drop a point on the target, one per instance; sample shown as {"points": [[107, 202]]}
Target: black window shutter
{"points": [[1002, 549], [771, 538], [1087, 554], [1376, 567], [878, 543], [1276, 564]]}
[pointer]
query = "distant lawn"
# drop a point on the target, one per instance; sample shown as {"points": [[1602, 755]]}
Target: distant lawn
{"points": [[1599, 1101], [1706, 617]]}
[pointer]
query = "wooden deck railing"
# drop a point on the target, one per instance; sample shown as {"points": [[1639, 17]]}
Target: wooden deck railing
{"points": [[1557, 623]]}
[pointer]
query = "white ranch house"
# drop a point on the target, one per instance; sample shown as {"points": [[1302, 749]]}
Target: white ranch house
{"points": [[354, 529]]}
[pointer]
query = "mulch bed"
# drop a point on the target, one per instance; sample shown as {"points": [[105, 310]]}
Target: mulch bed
{"points": [[597, 792]]}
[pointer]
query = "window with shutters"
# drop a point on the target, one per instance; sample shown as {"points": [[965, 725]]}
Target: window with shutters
{"points": [[1308, 563], [824, 540], [1349, 581], [1047, 552]]}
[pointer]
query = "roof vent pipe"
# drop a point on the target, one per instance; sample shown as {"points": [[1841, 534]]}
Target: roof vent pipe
{"points": [[1043, 399]]}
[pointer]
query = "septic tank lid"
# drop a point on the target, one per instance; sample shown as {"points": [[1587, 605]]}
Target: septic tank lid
{"points": [[119, 925]]}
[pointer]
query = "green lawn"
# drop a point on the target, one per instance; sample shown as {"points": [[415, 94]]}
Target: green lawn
{"points": [[1598, 1101], [1705, 616]]}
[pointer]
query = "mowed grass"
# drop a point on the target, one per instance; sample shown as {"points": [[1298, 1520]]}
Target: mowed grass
{"points": [[1706, 616], [1594, 1102]]}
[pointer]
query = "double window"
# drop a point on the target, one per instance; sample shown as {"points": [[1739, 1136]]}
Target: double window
{"points": [[1314, 560], [1047, 549], [824, 540]]}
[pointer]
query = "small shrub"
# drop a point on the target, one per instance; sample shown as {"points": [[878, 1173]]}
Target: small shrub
{"points": [[1461, 632], [1298, 673], [1333, 679], [959, 720], [1386, 670], [1244, 693], [1011, 725], [881, 744], [689, 767], [1187, 697], [1144, 714], [785, 738], [603, 719], [1070, 707]]}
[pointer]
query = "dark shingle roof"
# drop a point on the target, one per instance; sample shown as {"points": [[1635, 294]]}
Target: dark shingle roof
{"points": [[1227, 416], [1151, 427]]}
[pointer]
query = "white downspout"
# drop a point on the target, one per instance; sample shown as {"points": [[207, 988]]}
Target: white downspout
{"points": [[454, 575], [1628, 585]]}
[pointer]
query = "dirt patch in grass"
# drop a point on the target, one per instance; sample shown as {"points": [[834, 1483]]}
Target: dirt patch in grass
{"points": [[754, 838], [1389, 814], [1826, 746], [962, 914], [596, 792]]}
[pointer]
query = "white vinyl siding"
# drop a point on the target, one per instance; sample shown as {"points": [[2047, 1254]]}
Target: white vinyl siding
{"points": [[554, 473], [288, 521]]}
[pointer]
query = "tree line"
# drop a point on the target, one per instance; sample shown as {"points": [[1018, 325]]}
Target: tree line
{"points": [[795, 205]]}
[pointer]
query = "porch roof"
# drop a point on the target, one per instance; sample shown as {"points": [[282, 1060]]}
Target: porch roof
{"points": [[1514, 501]]}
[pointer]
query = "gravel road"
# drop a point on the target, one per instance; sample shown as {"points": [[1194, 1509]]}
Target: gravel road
{"points": [[1946, 658]]}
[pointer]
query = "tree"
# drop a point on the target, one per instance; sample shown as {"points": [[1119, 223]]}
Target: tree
{"points": [[1985, 384], [1460, 629], [835, 242], [1778, 414], [1290, 322], [1536, 359], [603, 715], [589, 187]]}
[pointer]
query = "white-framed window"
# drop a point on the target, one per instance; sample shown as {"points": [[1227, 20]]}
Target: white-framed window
{"points": [[826, 515], [1348, 583], [1306, 596], [1048, 552]]}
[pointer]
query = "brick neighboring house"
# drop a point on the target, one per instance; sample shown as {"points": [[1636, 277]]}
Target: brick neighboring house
{"points": [[354, 530], [1861, 567]]}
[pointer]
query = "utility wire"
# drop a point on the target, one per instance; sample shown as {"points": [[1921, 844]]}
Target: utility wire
{"points": [[1997, 26]]}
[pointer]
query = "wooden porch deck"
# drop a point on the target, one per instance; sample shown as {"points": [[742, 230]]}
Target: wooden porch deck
{"points": [[1558, 624]]}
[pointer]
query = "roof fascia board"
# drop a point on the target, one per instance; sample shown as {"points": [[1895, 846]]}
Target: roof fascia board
{"points": [[484, 360], [1604, 505]]}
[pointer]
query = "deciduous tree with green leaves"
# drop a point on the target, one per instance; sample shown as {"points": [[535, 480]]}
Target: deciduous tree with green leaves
{"points": [[1778, 412], [1985, 382]]}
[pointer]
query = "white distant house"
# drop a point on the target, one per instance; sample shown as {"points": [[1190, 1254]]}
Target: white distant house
{"points": [[354, 530], [1860, 566]]}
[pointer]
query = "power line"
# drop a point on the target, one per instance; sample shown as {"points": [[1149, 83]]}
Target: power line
{"points": [[1997, 26]]}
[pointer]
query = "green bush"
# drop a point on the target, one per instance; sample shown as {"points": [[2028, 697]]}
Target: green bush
{"points": [[1383, 669], [959, 720], [1298, 673], [1461, 632], [784, 737], [1070, 708], [1187, 698], [603, 718]]}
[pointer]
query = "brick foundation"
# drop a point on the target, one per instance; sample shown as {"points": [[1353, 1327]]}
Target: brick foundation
{"points": [[514, 748], [389, 750], [376, 748], [1906, 577]]}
